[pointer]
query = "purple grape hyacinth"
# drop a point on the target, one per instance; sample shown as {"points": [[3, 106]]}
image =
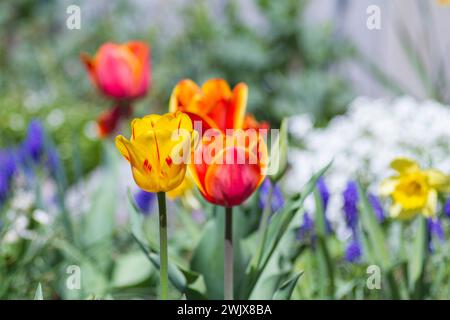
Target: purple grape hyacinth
{"points": [[277, 196], [7, 170], [353, 252], [306, 230], [377, 207], [145, 201], [33, 146], [447, 207], [324, 192], [436, 232], [351, 198]]}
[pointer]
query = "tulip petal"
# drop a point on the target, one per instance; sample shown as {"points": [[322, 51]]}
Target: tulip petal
{"points": [[145, 169], [142, 72], [115, 67], [174, 122], [89, 63], [238, 106], [182, 95], [230, 184], [214, 91]]}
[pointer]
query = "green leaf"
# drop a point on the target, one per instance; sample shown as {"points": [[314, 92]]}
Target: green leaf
{"points": [[277, 229], [98, 223], [417, 256], [38, 294], [195, 288], [325, 267], [136, 220], [375, 234], [131, 269], [93, 280], [188, 282], [281, 221], [286, 289], [208, 256]]}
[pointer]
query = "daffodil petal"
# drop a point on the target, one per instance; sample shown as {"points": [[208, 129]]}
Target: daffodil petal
{"points": [[402, 165], [387, 186], [430, 208], [438, 180], [395, 210]]}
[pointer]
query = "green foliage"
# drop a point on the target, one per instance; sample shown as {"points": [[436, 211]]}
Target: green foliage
{"points": [[286, 62], [289, 66], [250, 281]]}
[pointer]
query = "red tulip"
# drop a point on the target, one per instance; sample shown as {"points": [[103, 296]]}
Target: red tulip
{"points": [[236, 166], [120, 71]]}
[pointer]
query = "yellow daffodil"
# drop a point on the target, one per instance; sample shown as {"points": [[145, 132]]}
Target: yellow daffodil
{"points": [[413, 190], [443, 2], [158, 150]]}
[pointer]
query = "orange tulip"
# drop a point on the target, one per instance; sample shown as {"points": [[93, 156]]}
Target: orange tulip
{"points": [[235, 168], [120, 71], [251, 123]]}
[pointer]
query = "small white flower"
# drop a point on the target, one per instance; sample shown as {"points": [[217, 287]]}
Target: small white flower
{"points": [[42, 217], [23, 200]]}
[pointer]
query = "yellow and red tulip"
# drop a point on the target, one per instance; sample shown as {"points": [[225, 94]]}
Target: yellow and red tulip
{"points": [[120, 71], [220, 108], [158, 151]]}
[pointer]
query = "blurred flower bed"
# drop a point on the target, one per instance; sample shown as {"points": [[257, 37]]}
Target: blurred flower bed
{"points": [[363, 142], [362, 183]]}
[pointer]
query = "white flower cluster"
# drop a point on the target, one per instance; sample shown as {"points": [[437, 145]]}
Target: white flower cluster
{"points": [[363, 142], [22, 215]]}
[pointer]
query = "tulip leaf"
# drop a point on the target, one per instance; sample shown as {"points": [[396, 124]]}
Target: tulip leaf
{"points": [[269, 283], [187, 282], [375, 234], [287, 288], [325, 267], [38, 295], [97, 224], [208, 256], [136, 220], [281, 221], [131, 269], [418, 255], [277, 228]]}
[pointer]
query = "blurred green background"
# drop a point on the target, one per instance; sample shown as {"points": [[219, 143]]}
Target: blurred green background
{"points": [[287, 64], [293, 64]]}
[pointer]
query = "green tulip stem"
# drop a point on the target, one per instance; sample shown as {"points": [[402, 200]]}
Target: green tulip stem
{"points": [[228, 254], [163, 245]]}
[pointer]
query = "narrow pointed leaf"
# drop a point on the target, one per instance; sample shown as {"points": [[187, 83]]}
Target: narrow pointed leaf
{"points": [[286, 290]]}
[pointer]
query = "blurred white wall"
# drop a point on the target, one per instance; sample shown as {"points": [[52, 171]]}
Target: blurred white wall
{"points": [[427, 22]]}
